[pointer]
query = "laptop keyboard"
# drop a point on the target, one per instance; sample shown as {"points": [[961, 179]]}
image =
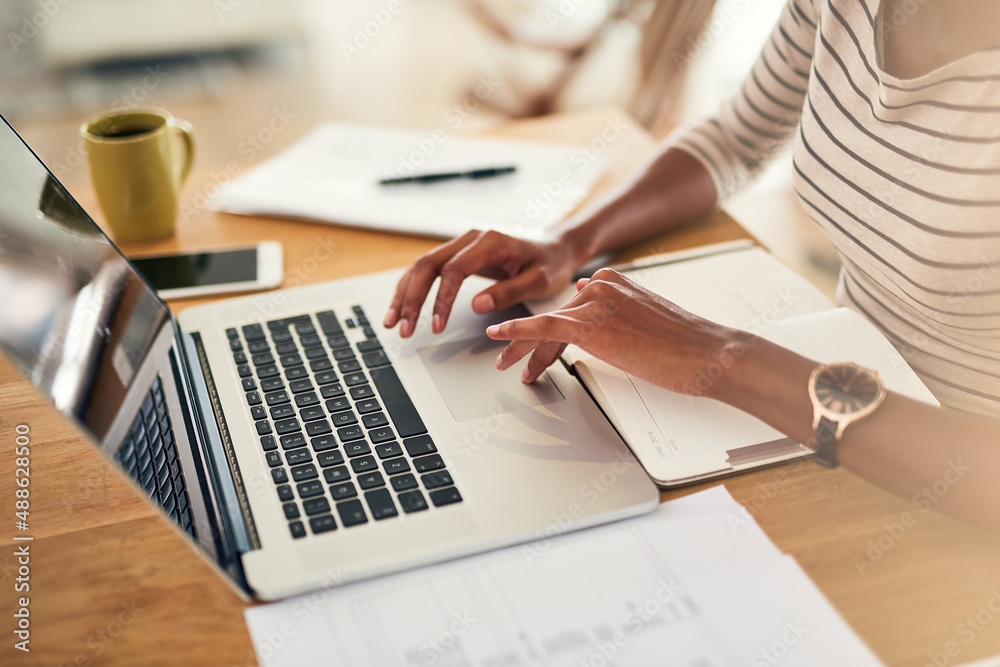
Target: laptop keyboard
{"points": [[149, 455], [344, 443]]}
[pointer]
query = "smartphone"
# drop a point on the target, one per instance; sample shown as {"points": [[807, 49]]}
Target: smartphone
{"points": [[208, 272]]}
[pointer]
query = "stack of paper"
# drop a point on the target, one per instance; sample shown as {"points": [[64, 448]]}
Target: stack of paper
{"points": [[695, 583], [333, 176]]}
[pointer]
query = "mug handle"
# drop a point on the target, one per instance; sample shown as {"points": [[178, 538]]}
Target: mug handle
{"points": [[183, 129]]}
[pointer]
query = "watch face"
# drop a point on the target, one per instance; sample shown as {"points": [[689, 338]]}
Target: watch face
{"points": [[846, 389]]}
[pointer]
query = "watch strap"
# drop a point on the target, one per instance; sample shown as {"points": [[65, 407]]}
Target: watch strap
{"points": [[826, 443]]}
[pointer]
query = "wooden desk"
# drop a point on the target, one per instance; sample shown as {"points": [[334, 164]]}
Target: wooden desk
{"points": [[112, 583]]}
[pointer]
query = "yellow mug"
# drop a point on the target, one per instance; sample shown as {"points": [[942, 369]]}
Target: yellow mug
{"points": [[138, 170]]}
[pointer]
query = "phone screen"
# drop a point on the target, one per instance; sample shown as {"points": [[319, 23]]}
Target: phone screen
{"points": [[199, 269]]}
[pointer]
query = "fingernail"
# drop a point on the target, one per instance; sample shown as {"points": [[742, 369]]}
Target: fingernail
{"points": [[483, 303], [492, 330], [405, 328], [526, 375], [437, 323], [390, 318], [499, 360]]}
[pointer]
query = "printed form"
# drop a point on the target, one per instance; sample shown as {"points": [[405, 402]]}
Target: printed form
{"points": [[696, 584]]}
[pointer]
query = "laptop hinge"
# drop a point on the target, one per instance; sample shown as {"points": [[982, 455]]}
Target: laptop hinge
{"points": [[232, 493]]}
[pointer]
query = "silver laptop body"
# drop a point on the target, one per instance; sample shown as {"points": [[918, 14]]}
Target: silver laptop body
{"points": [[290, 437]]}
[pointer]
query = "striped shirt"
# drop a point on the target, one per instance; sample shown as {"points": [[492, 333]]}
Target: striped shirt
{"points": [[902, 175]]}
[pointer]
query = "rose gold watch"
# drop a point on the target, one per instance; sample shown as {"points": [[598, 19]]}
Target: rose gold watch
{"points": [[841, 394]]}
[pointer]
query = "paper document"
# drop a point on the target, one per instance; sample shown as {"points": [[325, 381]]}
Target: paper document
{"points": [[679, 438], [694, 584], [332, 176]]}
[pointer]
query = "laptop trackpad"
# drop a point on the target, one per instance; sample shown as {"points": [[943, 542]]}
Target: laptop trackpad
{"points": [[465, 373]]}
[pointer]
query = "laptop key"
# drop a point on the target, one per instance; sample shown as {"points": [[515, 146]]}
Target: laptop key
{"points": [[350, 433], [309, 340], [291, 510], [282, 411], [244, 371], [249, 384], [371, 480], [231, 333], [338, 404], [419, 446], [380, 435], [270, 370], [357, 448], [369, 346], [396, 466], [337, 475], [330, 458], [315, 506], [288, 347], [253, 398], [323, 443], [354, 379], [307, 399], [344, 418], [262, 358], [447, 496], [309, 489], [291, 360], [336, 342], [297, 456], [273, 459], [364, 464], [321, 364], [271, 384], [299, 386], [412, 501], [323, 524], [287, 426], [296, 373], [361, 392], [344, 490], [352, 513], [317, 428], [380, 503], [240, 357], [388, 450], [397, 402], [293, 440], [375, 359], [276, 397], [428, 463], [349, 366], [368, 405], [253, 332], [281, 336], [343, 354], [285, 492], [335, 390], [311, 414], [279, 475], [375, 420], [326, 377], [304, 472], [258, 412], [298, 529], [304, 326], [267, 443], [433, 480], [315, 353], [263, 427], [329, 323]]}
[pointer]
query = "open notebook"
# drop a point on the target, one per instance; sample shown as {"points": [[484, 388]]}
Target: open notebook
{"points": [[682, 439]]}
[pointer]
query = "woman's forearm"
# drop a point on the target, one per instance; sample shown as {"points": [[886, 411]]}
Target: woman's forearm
{"points": [[931, 456], [672, 189]]}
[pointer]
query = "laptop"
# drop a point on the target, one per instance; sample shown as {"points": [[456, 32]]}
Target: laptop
{"points": [[287, 435]]}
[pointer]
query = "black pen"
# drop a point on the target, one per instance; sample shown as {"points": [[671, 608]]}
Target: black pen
{"points": [[486, 172]]}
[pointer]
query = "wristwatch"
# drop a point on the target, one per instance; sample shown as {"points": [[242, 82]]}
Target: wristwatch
{"points": [[841, 394]]}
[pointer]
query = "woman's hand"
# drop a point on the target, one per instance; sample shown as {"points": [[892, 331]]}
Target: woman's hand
{"points": [[523, 270], [626, 325]]}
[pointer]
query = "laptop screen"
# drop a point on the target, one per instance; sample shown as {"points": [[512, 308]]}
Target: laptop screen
{"points": [[74, 315]]}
